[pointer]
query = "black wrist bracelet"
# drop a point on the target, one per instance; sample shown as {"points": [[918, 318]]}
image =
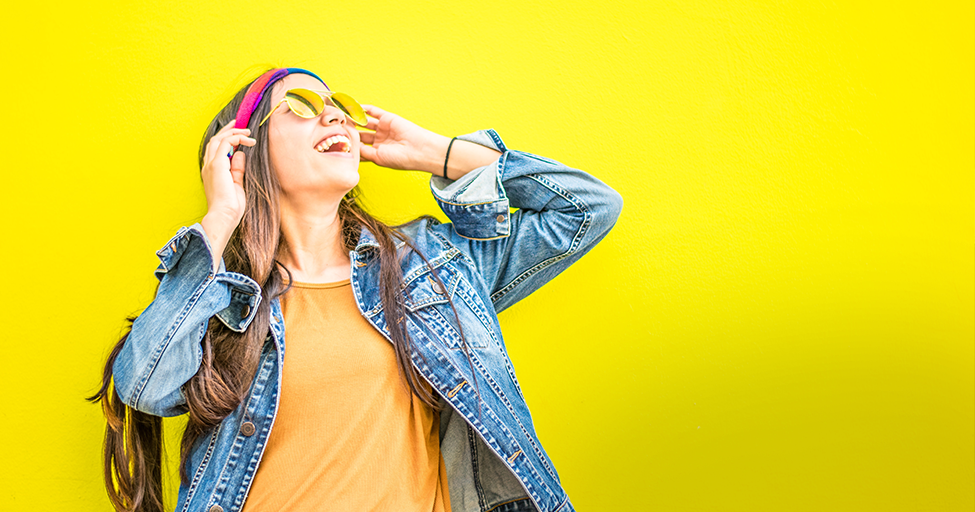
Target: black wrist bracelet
{"points": [[447, 157]]}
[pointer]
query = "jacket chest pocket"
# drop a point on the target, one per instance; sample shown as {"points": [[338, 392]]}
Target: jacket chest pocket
{"points": [[430, 311]]}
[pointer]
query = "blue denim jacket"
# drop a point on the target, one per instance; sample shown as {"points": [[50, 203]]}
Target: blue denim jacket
{"points": [[487, 257]]}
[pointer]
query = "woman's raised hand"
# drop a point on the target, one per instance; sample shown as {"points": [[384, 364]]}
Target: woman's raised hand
{"points": [[399, 144], [223, 184]]}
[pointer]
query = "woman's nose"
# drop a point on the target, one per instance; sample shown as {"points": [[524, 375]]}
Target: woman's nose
{"points": [[332, 114]]}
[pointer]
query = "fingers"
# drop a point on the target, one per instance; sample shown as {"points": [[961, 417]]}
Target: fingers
{"points": [[240, 140], [367, 137], [237, 168], [374, 111], [224, 132], [367, 153], [223, 145]]}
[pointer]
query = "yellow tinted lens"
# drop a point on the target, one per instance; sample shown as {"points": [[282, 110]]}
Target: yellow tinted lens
{"points": [[350, 106], [304, 103]]}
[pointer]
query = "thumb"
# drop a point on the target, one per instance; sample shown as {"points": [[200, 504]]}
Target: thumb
{"points": [[237, 167]]}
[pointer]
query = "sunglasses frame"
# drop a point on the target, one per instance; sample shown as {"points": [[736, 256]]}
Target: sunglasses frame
{"points": [[326, 100]]}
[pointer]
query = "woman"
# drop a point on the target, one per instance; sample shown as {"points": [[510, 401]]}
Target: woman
{"points": [[398, 393]]}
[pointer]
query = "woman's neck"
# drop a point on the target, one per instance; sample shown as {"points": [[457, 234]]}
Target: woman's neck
{"points": [[313, 248]]}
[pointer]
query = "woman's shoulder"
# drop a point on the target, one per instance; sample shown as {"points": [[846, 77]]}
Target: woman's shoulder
{"points": [[426, 234], [416, 229]]}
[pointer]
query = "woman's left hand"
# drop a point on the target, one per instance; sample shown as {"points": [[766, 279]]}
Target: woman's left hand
{"points": [[399, 144]]}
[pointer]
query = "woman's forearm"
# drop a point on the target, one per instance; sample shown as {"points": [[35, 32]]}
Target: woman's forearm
{"points": [[464, 157]]}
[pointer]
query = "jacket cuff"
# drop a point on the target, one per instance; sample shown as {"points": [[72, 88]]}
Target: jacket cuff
{"points": [[476, 203], [245, 293]]}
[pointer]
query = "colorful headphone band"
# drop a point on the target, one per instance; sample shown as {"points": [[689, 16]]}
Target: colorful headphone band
{"points": [[257, 89]]}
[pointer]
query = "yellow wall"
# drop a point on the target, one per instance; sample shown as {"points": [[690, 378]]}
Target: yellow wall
{"points": [[781, 320]]}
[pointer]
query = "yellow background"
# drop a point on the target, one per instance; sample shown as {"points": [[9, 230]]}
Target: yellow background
{"points": [[782, 319]]}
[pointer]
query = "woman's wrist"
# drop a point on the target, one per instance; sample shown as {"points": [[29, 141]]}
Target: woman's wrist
{"points": [[431, 156], [464, 157], [218, 230]]}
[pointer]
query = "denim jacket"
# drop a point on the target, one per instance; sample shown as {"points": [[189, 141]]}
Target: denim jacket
{"points": [[487, 257]]}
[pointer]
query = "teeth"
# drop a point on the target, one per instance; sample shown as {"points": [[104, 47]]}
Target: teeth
{"points": [[327, 143]]}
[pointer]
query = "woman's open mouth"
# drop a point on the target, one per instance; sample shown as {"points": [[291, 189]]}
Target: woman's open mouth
{"points": [[335, 144]]}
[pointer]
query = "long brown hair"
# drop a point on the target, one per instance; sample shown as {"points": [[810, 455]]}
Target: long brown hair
{"points": [[133, 439]]}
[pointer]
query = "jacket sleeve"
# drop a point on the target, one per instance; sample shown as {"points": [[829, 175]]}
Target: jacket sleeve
{"points": [[562, 213], [163, 350]]}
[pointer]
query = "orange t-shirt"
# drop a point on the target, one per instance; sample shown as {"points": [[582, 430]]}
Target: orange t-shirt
{"points": [[345, 436]]}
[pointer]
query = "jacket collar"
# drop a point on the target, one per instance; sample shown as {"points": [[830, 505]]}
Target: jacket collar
{"points": [[368, 244], [367, 241]]}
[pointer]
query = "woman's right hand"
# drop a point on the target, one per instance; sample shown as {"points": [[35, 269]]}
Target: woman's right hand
{"points": [[223, 184]]}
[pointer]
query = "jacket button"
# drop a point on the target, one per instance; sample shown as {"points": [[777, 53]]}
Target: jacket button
{"points": [[435, 285], [247, 429], [500, 218], [244, 311], [216, 508]]}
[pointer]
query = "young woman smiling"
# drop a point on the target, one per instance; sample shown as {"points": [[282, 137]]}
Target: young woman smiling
{"points": [[395, 391]]}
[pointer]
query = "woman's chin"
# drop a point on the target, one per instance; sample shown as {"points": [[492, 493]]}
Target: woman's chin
{"points": [[351, 179], [340, 178]]}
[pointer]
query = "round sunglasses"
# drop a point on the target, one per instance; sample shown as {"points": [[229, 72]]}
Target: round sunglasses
{"points": [[308, 103]]}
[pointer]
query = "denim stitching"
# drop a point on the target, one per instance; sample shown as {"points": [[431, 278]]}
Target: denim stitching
{"points": [[483, 239], [257, 389], [477, 425], [527, 465], [450, 247], [497, 140], [501, 396], [437, 298], [419, 363], [514, 379], [161, 253], [499, 505], [472, 299], [262, 441], [157, 355], [413, 307], [507, 404], [493, 201], [436, 262], [441, 321], [562, 505], [475, 470], [224, 477], [202, 469], [573, 247]]}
